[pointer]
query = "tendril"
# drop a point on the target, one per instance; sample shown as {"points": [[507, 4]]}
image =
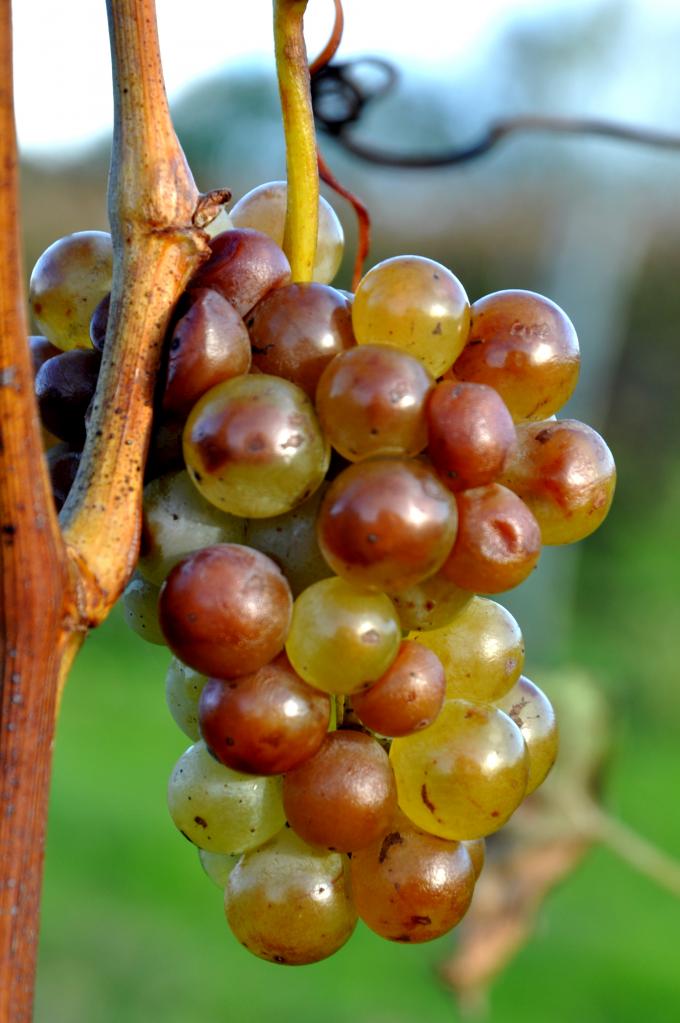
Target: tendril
{"points": [[319, 73], [339, 99]]}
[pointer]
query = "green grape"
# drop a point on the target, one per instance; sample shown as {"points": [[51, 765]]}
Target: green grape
{"points": [[254, 447], [218, 866], [140, 604], [414, 304], [532, 712], [290, 902], [341, 637], [290, 540], [67, 283], [264, 209], [183, 688], [219, 809], [482, 651], [177, 521], [465, 775], [430, 604]]}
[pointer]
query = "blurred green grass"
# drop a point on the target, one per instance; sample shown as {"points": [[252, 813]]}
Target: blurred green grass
{"points": [[133, 931]]}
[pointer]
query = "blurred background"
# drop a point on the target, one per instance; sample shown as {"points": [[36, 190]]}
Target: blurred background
{"points": [[132, 930]]}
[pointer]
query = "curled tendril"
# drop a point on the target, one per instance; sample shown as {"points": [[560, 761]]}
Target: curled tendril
{"points": [[320, 72], [341, 91], [340, 95]]}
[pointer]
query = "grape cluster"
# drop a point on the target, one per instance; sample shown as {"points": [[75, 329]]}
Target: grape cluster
{"points": [[334, 479]]}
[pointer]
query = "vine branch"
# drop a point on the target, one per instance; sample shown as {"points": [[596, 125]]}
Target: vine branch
{"points": [[153, 207], [35, 599]]}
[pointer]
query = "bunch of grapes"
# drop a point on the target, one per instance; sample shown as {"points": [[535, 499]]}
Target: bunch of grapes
{"points": [[337, 486]]}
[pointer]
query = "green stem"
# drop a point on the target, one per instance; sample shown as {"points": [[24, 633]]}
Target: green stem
{"points": [[302, 212]]}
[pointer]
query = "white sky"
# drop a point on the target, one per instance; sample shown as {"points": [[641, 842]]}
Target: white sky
{"points": [[62, 71]]}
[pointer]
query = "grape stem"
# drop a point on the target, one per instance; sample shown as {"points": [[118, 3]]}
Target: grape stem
{"points": [[55, 586], [302, 211]]}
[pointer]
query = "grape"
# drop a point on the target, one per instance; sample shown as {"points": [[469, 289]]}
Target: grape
{"points": [[267, 722], [498, 542], [254, 447], [416, 305], [225, 610], [165, 449], [218, 866], [99, 322], [525, 347], [343, 797], [430, 604], [482, 651], [289, 902], [177, 521], [387, 524], [183, 688], [62, 465], [410, 886], [221, 810], [244, 266], [290, 540], [264, 208], [67, 282], [341, 637], [465, 775], [64, 387], [407, 697], [476, 848], [208, 344], [296, 330], [565, 472], [470, 434], [41, 350], [371, 402], [140, 604], [532, 712]]}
